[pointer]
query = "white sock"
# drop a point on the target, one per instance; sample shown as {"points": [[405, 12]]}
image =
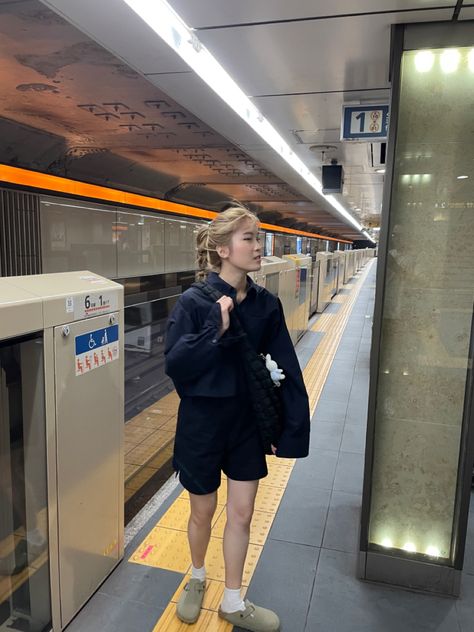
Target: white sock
{"points": [[232, 601], [198, 573]]}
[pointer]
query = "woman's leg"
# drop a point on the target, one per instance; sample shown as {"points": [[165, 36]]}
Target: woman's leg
{"points": [[240, 505], [203, 508]]}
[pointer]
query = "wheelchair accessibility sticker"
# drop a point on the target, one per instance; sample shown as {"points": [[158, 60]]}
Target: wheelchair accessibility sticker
{"points": [[96, 348]]}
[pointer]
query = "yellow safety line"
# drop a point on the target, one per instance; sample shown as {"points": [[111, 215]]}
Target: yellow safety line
{"points": [[318, 367], [166, 545], [322, 323]]}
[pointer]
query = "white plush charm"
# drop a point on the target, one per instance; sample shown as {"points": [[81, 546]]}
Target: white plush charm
{"points": [[275, 373]]}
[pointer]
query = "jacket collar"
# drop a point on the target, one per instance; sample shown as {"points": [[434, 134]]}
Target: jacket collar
{"points": [[215, 280]]}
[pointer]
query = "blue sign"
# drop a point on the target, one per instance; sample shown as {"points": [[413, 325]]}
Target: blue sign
{"points": [[96, 339], [365, 122]]}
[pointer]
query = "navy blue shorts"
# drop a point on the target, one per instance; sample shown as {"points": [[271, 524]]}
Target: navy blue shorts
{"points": [[215, 434]]}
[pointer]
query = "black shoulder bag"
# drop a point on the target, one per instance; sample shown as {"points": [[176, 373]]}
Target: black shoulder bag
{"points": [[264, 394]]}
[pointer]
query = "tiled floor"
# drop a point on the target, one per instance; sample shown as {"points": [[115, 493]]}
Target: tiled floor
{"points": [[309, 559], [306, 569]]}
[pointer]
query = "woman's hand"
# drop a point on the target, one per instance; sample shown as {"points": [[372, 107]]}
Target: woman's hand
{"points": [[274, 450], [227, 305]]}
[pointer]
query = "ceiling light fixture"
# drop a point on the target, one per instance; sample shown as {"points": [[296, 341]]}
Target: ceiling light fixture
{"points": [[380, 171], [462, 177], [172, 29], [366, 234]]}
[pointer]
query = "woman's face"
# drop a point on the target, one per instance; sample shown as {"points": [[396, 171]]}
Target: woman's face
{"points": [[245, 250]]}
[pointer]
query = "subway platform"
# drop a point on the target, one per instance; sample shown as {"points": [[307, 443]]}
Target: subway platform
{"points": [[304, 538]]}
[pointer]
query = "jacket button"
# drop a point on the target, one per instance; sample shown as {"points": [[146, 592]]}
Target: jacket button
{"points": [[214, 341]]}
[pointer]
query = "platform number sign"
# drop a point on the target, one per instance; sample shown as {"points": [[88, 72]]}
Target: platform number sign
{"points": [[364, 122]]}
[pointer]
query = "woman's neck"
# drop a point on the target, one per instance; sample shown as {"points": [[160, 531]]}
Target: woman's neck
{"points": [[234, 277]]}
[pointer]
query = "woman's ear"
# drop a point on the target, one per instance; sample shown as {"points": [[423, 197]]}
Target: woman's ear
{"points": [[223, 251]]}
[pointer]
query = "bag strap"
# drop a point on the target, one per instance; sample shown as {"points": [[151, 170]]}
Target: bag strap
{"points": [[215, 295], [250, 354]]}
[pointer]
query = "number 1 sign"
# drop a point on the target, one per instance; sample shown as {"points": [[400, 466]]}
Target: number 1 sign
{"points": [[364, 122]]}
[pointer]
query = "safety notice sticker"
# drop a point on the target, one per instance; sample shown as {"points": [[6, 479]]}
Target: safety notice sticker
{"points": [[96, 348]]}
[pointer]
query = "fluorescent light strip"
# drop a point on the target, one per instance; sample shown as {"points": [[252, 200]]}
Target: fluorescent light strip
{"points": [[171, 28]]}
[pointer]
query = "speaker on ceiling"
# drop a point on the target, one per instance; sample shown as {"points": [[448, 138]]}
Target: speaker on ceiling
{"points": [[333, 178]]}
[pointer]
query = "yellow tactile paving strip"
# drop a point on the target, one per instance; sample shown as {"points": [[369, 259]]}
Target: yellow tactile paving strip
{"points": [[323, 322], [166, 545]]}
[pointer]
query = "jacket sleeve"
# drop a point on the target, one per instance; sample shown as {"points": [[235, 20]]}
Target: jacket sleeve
{"points": [[294, 441], [191, 350]]}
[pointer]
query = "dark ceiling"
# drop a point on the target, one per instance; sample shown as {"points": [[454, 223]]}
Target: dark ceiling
{"points": [[70, 108]]}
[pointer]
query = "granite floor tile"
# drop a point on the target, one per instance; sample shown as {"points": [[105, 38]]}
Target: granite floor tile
{"points": [[301, 517], [347, 356], [349, 341], [283, 581], [340, 365], [304, 356], [359, 393], [326, 435], [332, 308], [316, 471], [339, 377], [469, 551], [343, 522], [465, 604], [105, 613], [349, 473], [342, 603], [144, 584], [357, 410], [353, 438], [331, 410], [337, 389]]}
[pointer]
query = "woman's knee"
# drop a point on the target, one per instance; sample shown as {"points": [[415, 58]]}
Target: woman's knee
{"points": [[203, 509], [240, 514]]}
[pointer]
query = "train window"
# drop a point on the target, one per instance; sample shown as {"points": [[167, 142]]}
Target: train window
{"points": [[139, 240], [180, 245], [77, 237]]}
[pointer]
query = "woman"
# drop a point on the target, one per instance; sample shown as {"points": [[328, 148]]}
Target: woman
{"points": [[215, 428]]}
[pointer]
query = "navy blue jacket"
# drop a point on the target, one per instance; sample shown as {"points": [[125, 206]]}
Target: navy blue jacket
{"points": [[203, 365]]}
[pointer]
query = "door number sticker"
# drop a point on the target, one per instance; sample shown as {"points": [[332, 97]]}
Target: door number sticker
{"points": [[95, 304], [96, 348]]}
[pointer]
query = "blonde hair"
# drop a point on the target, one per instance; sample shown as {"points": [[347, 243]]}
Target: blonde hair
{"points": [[219, 233]]}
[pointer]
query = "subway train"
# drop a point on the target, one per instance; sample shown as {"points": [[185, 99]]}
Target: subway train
{"points": [[148, 246]]}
